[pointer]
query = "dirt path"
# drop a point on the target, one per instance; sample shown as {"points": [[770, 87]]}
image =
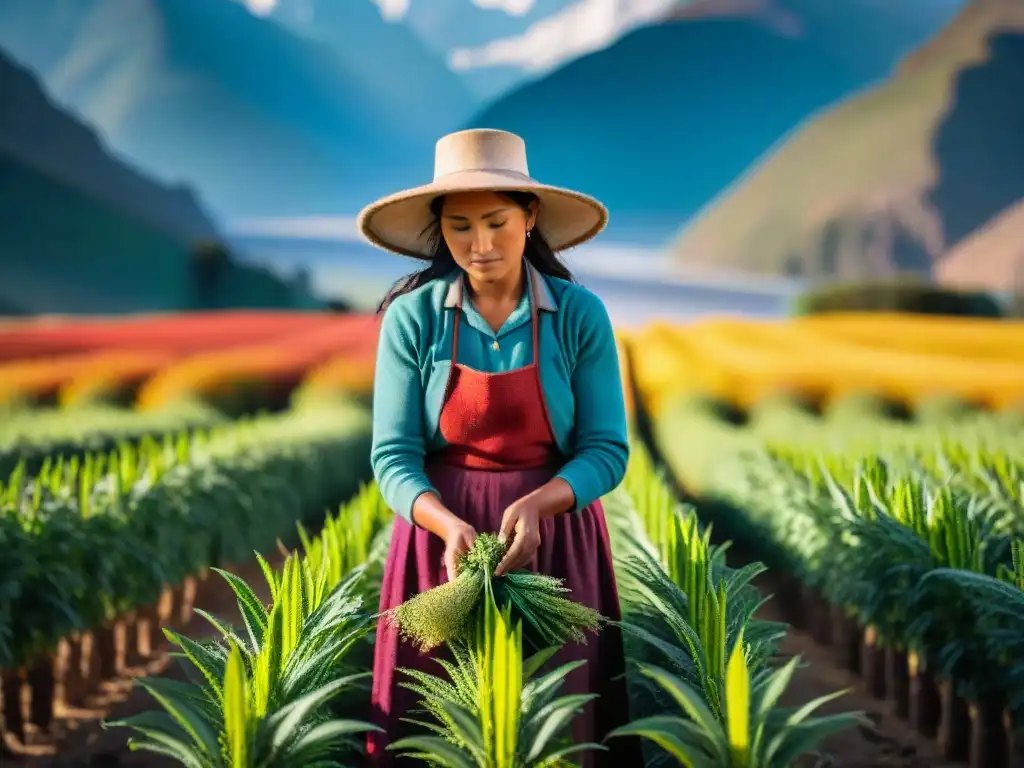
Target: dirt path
{"points": [[891, 743], [78, 739]]}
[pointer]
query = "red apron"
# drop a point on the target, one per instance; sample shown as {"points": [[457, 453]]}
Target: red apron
{"points": [[497, 421]]}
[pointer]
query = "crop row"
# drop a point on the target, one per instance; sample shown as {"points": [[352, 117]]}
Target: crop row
{"points": [[228, 366], [180, 334], [100, 547], [33, 435], [903, 544], [233, 359], [741, 361], [905, 359], [30, 438], [700, 679], [899, 538]]}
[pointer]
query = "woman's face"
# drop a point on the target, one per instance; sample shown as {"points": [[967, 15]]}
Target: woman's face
{"points": [[486, 233]]}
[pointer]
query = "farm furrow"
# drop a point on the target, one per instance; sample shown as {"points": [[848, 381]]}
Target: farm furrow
{"points": [[893, 546], [78, 738]]}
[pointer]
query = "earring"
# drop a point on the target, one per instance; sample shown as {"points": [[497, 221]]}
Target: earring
{"points": [[529, 232]]}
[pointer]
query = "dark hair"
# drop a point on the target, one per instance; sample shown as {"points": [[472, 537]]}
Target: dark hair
{"points": [[442, 263]]}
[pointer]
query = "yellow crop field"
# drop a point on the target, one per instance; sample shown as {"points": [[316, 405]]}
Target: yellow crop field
{"points": [[901, 358], [111, 377], [348, 375], [961, 337], [28, 382]]}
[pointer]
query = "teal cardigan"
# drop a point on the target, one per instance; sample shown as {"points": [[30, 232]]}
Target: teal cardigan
{"points": [[579, 372]]}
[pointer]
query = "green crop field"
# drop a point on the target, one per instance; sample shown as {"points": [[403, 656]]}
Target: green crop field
{"points": [[768, 558]]}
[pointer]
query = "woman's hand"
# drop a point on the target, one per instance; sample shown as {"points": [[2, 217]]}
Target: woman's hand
{"points": [[458, 536], [457, 540], [521, 524]]}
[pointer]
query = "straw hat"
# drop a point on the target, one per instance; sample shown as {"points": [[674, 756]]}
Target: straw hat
{"points": [[479, 160]]}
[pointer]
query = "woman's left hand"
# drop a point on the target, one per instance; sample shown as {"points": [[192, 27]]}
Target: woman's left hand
{"points": [[521, 524]]}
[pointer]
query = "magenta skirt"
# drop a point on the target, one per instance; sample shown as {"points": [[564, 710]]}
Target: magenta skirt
{"points": [[574, 548]]}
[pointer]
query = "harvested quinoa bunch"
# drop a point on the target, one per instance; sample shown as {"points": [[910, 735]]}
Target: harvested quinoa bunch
{"points": [[447, 613]]}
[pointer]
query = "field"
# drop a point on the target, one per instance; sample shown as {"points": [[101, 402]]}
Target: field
{"points": [[868, 471]]}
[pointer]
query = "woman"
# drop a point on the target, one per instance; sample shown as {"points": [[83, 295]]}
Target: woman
{"points": [[498, 407]]}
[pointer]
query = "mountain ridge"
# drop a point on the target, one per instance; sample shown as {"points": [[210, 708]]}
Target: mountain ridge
{"points": [[38, 132], [891, 179], [271, 124], [82, 231], [672, 139], [991, 257]]}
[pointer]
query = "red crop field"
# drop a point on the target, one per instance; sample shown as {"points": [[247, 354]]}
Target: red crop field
{"points": [[180, 334], [268, 372], [164, 359]]}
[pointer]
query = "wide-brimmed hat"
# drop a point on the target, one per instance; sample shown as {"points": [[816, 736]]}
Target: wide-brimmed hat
{"points": [[479, 160]]}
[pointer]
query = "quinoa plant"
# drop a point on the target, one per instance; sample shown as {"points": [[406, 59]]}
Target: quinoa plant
{"points": [[495, 710], [448, 613], [752, 731]]}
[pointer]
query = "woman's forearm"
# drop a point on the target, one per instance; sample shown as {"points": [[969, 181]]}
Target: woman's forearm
{"points": [[429, 513], [553, 498], [595, 471]]}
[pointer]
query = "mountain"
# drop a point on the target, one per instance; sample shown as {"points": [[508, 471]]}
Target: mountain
{"points": [[39, 134], [261, 120], [439, 26], [893, 179], [82, 232], [991, 257], [660, 122], [445, 25], [390, 60], [869, 36]]}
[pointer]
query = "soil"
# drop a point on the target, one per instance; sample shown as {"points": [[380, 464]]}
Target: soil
{"points": [[888, 743], [77, 739]]}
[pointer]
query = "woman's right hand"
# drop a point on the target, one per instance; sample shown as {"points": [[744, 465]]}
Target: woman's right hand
{"points": [[458, 535], [457, 540]]}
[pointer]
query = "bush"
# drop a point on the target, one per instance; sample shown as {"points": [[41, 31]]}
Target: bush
{"points": [[900, 295]]}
